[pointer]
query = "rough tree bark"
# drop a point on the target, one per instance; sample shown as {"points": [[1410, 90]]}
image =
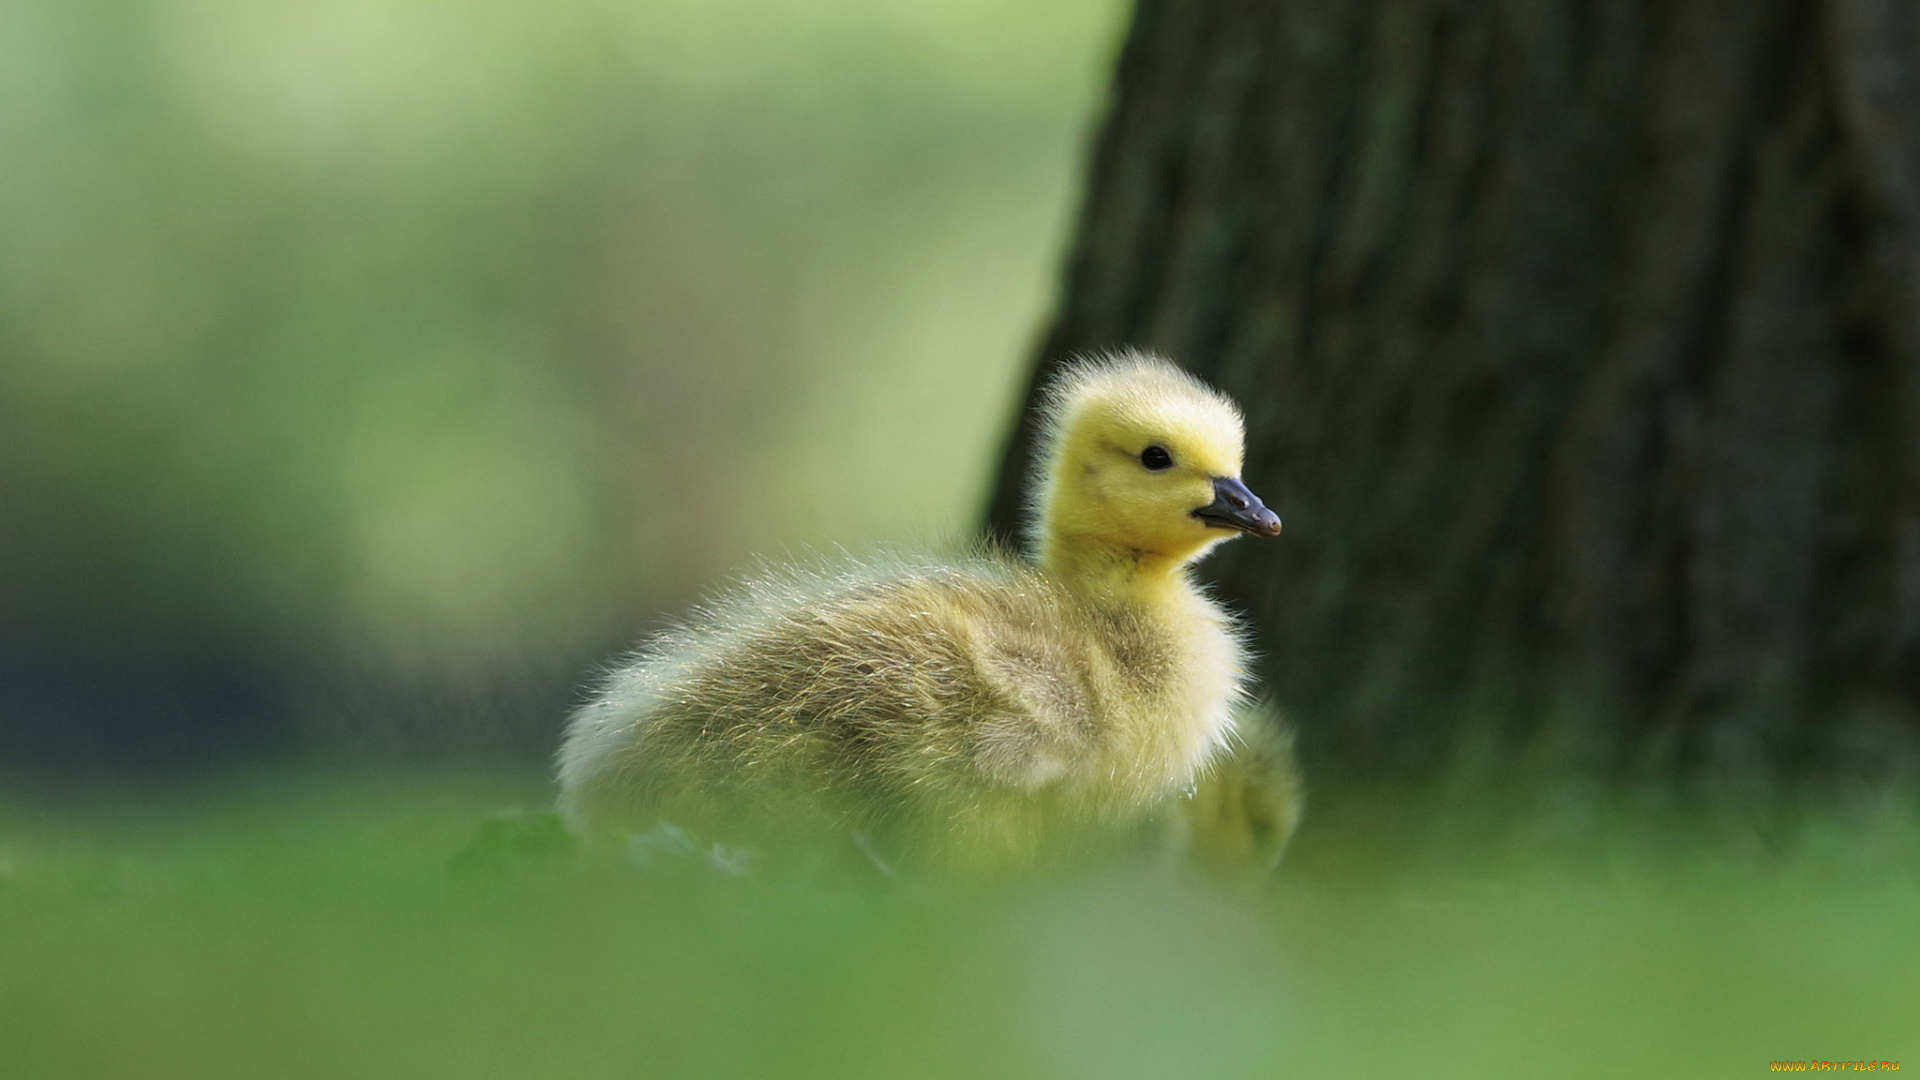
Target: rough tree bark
{"points": [[1580, 342]]}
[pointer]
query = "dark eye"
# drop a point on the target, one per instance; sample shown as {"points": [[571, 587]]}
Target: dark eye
{"points": [[1156, 458]]}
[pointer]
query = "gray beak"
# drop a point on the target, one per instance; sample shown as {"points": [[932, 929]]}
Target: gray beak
{"points": [[1234, 507]]}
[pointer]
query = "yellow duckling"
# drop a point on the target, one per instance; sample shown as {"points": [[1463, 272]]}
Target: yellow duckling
{"points": [[984, 711]]}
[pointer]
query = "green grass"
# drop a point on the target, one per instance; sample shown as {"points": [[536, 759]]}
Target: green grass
{"points": [[328, 927]]}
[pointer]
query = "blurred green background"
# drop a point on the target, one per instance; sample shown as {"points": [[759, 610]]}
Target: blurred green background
{"points": [[373, 367]]}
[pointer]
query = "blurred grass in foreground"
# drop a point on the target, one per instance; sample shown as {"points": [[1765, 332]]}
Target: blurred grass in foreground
{"points": [[310, 928]]}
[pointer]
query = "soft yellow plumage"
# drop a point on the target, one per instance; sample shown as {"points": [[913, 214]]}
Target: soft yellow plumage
{"points": [[1234, 823], [981, 711]]}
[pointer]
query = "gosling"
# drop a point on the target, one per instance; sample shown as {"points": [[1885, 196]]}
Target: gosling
{"points": [[984, 711]]}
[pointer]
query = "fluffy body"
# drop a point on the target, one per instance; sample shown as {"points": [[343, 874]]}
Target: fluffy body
{"points": [[1233, 825], [982, 710]]}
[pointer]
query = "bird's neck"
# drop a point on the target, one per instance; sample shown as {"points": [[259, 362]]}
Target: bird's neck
{"points": [[1109, 575]]}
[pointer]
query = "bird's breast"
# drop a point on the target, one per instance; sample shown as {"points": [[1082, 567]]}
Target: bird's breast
{"points": [[1170, 681]]}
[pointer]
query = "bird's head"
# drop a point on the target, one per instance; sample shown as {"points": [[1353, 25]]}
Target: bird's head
{"points": [[1140, 459]]}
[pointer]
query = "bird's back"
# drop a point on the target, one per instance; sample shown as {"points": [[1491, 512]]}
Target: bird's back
{"points": [[819, 701], [961, 706]]}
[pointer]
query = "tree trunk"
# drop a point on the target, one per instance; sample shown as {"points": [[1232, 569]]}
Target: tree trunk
{"points": [[1580, 350]]}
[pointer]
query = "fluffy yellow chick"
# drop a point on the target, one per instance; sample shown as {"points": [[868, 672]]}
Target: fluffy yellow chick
{"points": [[985, 711]]}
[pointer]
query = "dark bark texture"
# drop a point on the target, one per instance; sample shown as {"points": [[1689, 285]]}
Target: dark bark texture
{"points": [[1580, 345]]}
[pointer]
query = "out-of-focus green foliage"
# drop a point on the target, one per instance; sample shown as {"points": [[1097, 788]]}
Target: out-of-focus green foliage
{"points": [[316, 929], [435, 331]]}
